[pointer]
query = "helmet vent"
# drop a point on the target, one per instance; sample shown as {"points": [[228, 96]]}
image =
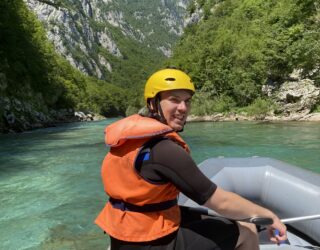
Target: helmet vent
{"points": [[170, 79]]}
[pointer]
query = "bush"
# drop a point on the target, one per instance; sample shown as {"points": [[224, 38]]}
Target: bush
{"points": [[204, 105], [260, 108], [131, 110], [316, 109]]}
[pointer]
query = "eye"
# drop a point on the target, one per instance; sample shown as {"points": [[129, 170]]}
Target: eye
{"points": [[174, 100], [188, 101]]}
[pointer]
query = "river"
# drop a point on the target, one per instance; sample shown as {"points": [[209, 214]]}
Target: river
{"points": [[50, 186]]}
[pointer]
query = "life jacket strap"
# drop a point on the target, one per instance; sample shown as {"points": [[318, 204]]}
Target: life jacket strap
{"points": [[154, 207]]}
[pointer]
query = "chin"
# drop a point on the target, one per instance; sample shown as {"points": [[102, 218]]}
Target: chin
{"points": [[177, 127]]}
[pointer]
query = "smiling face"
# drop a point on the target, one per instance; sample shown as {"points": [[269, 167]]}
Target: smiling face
{"points": [[175, 105]]}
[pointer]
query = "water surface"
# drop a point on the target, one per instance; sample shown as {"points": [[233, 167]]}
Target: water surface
{"points": [[50, 186]]}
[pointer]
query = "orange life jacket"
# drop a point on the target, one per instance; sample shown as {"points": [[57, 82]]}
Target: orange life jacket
{"points": [[121, 182]]}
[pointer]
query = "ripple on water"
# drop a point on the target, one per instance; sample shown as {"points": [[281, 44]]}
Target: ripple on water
{"points": [[50, 186]]}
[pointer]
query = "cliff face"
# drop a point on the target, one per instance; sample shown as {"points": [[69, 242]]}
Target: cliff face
{"points": [[96, 35], [121, 42]]}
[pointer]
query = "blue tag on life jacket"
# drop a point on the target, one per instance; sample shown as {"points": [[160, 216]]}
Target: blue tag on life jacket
{"points": [[143, 156]]}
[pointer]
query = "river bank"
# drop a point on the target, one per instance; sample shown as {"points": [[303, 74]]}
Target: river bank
{"points": [[79, 116], [242, 117], [20, 122], [294, 100]]}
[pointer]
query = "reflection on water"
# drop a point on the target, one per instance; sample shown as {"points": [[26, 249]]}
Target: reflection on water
{"points": [[50, 186]]}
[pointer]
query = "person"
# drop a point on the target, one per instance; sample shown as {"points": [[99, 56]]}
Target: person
{"points": [[149, 164]]}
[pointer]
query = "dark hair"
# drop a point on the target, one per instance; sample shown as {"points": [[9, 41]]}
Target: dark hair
{"points": [[156, 111]]}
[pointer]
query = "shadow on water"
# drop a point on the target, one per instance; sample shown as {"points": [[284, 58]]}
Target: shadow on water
{"points": [[12, 166], [78, 233], [59, 239]]}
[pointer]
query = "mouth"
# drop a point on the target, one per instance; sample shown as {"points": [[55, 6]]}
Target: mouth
{"points": [[179, 118]]}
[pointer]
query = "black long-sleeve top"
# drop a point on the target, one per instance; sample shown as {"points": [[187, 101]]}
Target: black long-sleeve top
{"points": [[169, 162]]}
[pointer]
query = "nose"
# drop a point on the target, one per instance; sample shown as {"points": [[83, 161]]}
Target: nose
{"points": [[183, 106]]}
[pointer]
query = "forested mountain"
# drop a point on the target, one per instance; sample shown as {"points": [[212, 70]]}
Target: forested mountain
{"points": [[240, 46], [113, 39], [57, 56], [35, 81], [110, 40]]}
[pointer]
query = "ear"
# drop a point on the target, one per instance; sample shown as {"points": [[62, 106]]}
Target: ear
{"points": [[151, 104]]}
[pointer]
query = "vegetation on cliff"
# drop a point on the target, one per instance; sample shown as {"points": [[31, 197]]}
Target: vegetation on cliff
{"points": [[238, 46], [32, 73]]}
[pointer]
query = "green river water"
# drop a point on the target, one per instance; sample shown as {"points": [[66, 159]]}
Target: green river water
{"points": [[50, 186]]}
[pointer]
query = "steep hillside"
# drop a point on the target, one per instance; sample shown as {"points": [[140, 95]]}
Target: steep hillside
{"points": [[118, 42], [121, 41], [238, 47], [37, 86]]}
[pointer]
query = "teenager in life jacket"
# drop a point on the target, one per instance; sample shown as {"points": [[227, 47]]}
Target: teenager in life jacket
{"points": [[149, 165]]}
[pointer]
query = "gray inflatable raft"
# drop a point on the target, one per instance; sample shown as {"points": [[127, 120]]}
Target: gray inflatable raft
{"points": [[285, 189]]}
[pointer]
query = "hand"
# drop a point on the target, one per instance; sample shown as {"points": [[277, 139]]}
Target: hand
{"points": [[277, 231]]}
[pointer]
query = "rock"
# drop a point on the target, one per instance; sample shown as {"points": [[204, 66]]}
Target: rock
{"points": [[311, 117], [5, 103], [26, 126], [9, 117], [3, 81], [40, 116], [194, 18], [267, 89], [80, 115], [37, 125], [98, 117], [89, 117], [84, 29], [295, 75], [297, 97], [21, 115], [106, 42], [219, 117]]}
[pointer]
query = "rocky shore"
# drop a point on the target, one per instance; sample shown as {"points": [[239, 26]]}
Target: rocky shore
{"points": [[295, 100], [13, 122], [55, 118], [242, 117]]}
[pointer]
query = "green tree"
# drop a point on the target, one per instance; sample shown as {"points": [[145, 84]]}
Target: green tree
{"points": [[242, 45]]}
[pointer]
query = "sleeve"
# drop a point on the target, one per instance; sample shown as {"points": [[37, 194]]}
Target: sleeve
{"points": [[169, 162]]}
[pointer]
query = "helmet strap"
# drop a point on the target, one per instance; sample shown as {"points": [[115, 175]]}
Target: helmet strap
{"points": [[156, 110], [160, 112]]}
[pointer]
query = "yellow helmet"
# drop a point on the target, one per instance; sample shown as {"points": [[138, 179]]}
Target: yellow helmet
{"points": [[167, 79]]}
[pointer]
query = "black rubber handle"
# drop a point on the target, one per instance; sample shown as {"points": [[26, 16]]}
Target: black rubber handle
{"points": [[261, 221]]}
